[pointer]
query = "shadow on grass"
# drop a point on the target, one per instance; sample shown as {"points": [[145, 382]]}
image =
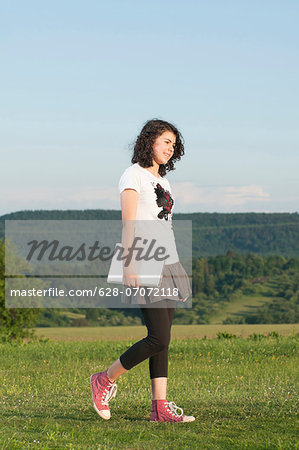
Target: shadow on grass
{"points": [[87, 416]]}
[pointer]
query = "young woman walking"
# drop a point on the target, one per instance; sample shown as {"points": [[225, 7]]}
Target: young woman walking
{"points": [[146, 195]]}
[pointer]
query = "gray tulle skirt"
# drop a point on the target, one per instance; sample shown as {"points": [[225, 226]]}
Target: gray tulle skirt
{"points": [[174, 285]]}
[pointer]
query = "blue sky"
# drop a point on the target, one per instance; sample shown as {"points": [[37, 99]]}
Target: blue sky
{"points": [[80, 78]]}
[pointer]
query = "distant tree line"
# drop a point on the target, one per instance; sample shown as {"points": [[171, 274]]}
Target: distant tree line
{"points": [[213, 233]]}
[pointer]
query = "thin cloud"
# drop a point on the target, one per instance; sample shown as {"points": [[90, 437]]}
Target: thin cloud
{"points": [[188, 196], [59, 198], [188, 193]]}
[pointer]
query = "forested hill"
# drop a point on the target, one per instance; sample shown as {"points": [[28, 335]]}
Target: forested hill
{"points": [[213, 233]]}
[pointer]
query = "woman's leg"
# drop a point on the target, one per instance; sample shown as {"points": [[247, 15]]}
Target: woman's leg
{"points": [[157, 339], [159, 362], [155, 346], [115, 370]]}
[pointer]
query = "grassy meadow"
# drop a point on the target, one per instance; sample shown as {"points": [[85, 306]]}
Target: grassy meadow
{"points": [[177, 331], [242, 390]]}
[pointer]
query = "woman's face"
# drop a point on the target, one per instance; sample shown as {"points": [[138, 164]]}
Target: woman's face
{"points": [[163, 147]]}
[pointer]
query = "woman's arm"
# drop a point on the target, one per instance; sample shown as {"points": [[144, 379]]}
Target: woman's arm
{"points": [[129, 202]]}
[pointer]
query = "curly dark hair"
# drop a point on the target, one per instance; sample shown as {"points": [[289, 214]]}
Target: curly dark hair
{"points": [[143, 148]]}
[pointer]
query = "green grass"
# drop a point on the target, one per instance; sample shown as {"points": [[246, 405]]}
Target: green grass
{"points": [[72, 315], [240, 306], [241, 391], [244, 304]]}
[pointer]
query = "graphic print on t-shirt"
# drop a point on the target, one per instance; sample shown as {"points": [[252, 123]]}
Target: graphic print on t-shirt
{"points": [[164, 199]]}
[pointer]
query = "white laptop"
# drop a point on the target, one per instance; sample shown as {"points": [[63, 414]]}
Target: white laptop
{"points": [[149, 272]]}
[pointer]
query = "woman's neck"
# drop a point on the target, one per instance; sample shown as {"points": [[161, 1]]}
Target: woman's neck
{"points": [[154, 169]]}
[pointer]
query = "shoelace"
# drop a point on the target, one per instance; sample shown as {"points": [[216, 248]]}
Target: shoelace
{"points": [[109, 393], [173, 409]]}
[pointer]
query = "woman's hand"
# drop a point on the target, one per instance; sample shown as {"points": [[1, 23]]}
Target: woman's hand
{"points": [[130, 278]]}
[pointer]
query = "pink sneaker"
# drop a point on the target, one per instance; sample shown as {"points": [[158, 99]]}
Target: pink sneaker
{"points": [[163, 411], [102, 390]]}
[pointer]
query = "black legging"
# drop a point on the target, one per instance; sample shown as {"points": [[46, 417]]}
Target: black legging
{"points": [[155, 346]]}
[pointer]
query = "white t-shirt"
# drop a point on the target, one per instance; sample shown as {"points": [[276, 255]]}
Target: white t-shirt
{"points": [[155, 202]]}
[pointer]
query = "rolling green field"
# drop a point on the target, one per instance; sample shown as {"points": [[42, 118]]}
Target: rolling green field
{"points": [[238, 307], [177, 331], [242, 392]]}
